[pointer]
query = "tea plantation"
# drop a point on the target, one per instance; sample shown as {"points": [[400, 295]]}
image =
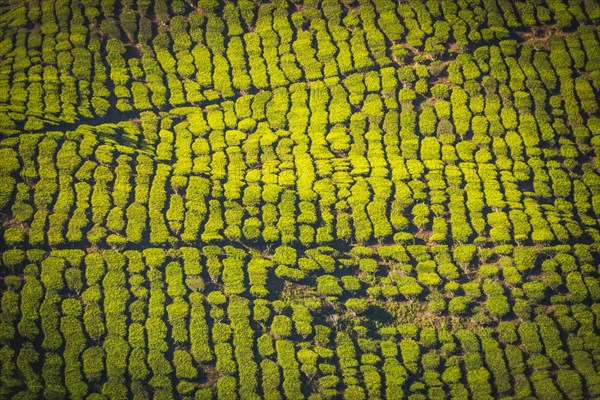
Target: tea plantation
{"points": [[328, 199]]}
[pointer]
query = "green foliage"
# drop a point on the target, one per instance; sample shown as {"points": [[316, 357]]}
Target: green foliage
{"points": [[524, 257], [329, 200], [285, 255], [458, 305], [358, 306], [281, 327], [328, 285]]}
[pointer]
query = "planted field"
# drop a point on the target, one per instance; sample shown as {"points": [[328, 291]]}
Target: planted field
{"points": [[331, 199]]}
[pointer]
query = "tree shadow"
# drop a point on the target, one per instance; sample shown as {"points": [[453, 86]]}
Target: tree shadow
{"points": [[379, 314]]}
